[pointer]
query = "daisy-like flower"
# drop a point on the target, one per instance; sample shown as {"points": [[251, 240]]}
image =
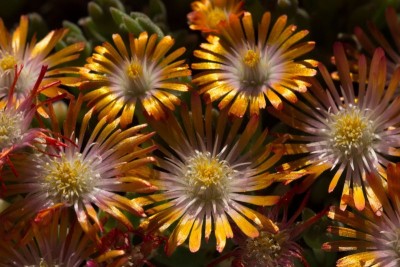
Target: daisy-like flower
{"points": [[208, 173], [142, 72], [351, 133], [15, 50], [243, 68], [271, 249], [54, 238], [16, 119], [371, 239], [92, 170], [208, 14]]}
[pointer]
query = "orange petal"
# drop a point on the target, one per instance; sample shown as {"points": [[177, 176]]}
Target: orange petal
{"points": [[195, 235]]}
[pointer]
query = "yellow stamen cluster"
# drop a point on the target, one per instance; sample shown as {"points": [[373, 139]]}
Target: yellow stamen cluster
{"points": [[251, 58], [43, 263], [351, 132], [136, 257], [215, 16], [207, 175], [10, 128], [208, 170], [69, 180], [252, 71], [263, 250], [7, 62], [134, 70], [138, 81]]}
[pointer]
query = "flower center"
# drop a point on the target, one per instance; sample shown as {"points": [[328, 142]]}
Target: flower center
{"points": [[8, 62], [392, 235], [27, 78], [69, 179], [251, 58], [252, 70], [134, 70], [136, 257], [43, 263], [141, 76], [207, 176], [351, 132], [215, 16], [10, 128], [263, 250]]}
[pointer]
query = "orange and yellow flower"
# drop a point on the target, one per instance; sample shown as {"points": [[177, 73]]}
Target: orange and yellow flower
{"points": [[90, 172], [209, 173], [241, 67], [53, 238], [350, 131], [206, 15], [370, 239], [15, 50], [273, 249], [142, 72]]}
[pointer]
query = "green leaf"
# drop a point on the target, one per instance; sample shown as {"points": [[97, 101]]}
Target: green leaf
{"points": [[95, 11], [117, 15], [90, 26], [112, 3], [132, 26], [136, 15], [150, 27], [75, 35], [73, 28], [316, 235], [157, 11], [37, 26], [307, 214], [315, 259]]}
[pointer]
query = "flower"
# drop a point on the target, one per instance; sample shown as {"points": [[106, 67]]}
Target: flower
{"points": [[16, 118], [92, 169], [374, 39], [14, 50], [206, 15], [206, 175], [272, 249], [371, 239], [351, 134], [54, 238], [241, 67], [144, 73]]}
